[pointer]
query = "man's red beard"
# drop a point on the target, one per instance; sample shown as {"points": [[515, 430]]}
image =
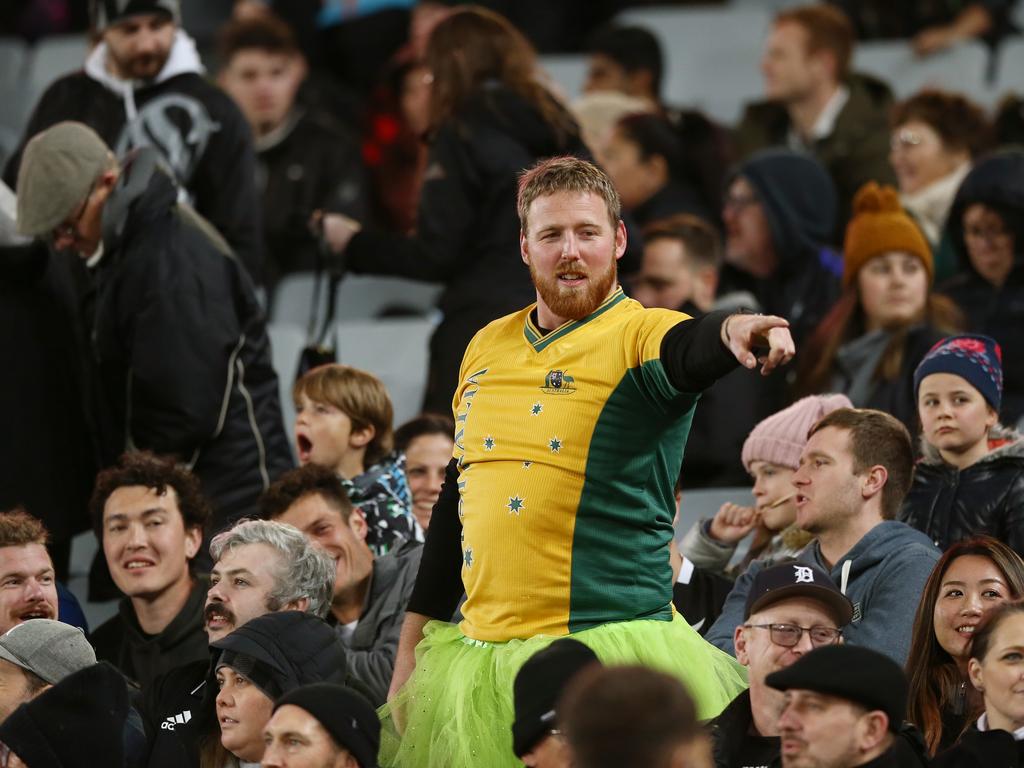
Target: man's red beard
{"points": [[576, 302]]}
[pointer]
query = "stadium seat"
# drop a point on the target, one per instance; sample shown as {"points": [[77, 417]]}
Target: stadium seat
{"points": [[712, 55], [13, 55], [1010, 70], [567, 73], [53, 57], [960, 69], [360, 297], [396, 350], [286, 343]]}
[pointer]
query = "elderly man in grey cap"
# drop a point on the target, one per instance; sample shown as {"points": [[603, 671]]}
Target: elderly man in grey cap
{"points": [[35, 655], [144, 85], [178, 355]]}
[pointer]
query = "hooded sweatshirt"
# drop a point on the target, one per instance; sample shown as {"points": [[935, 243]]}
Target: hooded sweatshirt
{"points": [[799, 201], [883, 575], [200, 134], [996, 181], [949, 504]]}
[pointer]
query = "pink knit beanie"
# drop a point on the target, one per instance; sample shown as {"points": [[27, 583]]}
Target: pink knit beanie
{"points": [[781, 437]]}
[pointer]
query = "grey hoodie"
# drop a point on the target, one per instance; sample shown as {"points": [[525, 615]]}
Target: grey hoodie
{"points": [[883, 575]]}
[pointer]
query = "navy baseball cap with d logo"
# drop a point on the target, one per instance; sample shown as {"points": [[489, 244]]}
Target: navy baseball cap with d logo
{"points": [[795, 579]]}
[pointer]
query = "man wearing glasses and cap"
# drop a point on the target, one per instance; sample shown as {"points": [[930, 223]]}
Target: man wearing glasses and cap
{"points": [[792, 608]]}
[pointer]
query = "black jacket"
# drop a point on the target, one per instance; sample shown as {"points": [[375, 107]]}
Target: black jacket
{"points": [[983, 749], [467, 228], [142, 657], [178, 346], [309, 163], [949, 504], [997, 181], [176, 712], [200, 133], [730, 732]]}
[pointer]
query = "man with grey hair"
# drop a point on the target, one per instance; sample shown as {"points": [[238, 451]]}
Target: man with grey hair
{"points": [[178, 358], [143, 85], [260, 567], [35, 655]]}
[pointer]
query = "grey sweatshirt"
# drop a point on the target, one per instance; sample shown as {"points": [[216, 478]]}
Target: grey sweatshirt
{"points": [[885, 578]]}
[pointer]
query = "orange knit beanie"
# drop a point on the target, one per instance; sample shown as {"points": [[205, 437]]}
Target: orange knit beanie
{"points": [[879, 225]]}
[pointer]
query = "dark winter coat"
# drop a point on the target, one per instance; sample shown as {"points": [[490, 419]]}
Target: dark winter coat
{"points": [[949, 504], [857, 150], [983, 749], [467, 230], [200, 133], [141, 657], [178, 346], [996, 181], [731, 731]]}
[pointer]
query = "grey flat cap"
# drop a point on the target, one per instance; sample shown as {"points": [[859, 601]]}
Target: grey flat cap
{"points": [[48, 649], [58, 168]]}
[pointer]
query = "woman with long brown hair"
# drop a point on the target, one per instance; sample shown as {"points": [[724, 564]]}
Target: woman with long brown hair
{"points": [[490, 118], [887, 318], [969, 580]]}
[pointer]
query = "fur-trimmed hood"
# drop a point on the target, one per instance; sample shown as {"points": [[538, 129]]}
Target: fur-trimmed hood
{"points": [[1002, 441]]}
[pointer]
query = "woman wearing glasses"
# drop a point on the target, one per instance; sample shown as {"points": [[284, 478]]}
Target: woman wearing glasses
{"points": [[986, 228], [971, 579], [935, 135]]}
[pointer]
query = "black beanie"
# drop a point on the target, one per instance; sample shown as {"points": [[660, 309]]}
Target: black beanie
{"points": [[798, 196], [78, 723], [346, 715], [538, 686]]}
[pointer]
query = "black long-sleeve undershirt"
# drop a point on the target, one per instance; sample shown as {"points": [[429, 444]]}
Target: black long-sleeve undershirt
{"points": [[693, 357]]}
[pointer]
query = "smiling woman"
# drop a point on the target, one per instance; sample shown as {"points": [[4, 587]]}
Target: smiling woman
{"points": [[868, 346], [969, 581]]}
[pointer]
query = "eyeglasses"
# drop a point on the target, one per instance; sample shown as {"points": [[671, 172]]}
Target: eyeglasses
{"points": [[788, 635], [739, 202], [69, 230], [905, 138], [988, 234]]}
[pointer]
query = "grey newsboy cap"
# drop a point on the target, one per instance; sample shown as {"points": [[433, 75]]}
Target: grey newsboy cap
{"points": [[48, 649], [58, 168]]}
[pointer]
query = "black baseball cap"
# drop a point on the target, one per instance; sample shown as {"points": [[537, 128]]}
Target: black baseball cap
{"points": [[796, 579]]}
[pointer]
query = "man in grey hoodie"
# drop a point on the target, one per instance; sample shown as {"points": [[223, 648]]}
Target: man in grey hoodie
{"points": [[853, 474]]}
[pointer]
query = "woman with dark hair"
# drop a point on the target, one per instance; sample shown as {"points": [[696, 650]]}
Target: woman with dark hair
{"points": [[644, 157], [995, 667], [935, 135], [427, 442], [490, 118], [887, 318], [986, 227], [973, 577]]}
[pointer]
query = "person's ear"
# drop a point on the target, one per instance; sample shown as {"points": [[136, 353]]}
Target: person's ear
{"points": [[193, 541], [620, 239], [991, 418], [357, 522], [874, 481], [872, 729], [298, 604], [739, 641], [360, 438], [976, 674], [524, 249]]}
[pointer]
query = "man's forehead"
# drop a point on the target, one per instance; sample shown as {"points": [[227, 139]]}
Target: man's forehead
{"points": [[28, 557], [829, 440], [254, 557], [563, 206], [140, 499]]}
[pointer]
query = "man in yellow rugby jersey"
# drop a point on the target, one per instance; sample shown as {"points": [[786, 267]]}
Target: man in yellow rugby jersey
{"points": [[556, 516]]}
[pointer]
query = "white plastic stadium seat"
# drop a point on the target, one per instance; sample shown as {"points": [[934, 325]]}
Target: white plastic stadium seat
{"points": [[960, 69], [567, 73], [13, 55], [286, 343], [712, 55], [360, 297], [395, 351], [53, 57]]}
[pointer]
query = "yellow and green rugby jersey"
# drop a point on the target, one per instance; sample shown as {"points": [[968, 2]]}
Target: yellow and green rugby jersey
{"points": [[568, 445]]}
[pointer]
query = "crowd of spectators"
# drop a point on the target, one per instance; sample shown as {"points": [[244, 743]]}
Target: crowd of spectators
{"points": [[300, 605]]}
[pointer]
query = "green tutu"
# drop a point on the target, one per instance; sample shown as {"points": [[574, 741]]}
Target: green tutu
{"points": [[456, 708]]}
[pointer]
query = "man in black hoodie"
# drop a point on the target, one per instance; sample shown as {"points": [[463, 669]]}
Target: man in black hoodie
{"points": [[143, 85], [174, 342]]}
